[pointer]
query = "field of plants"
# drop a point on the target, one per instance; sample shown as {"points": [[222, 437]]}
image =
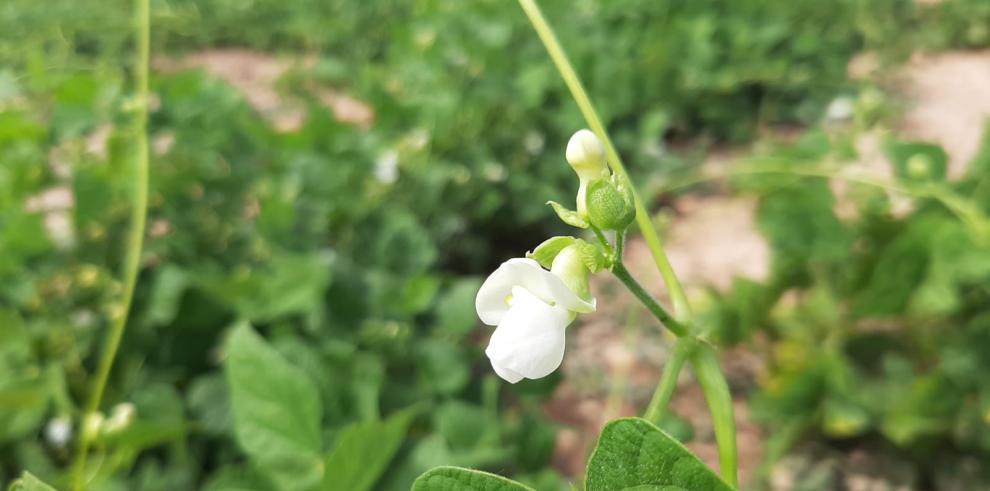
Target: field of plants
{"points": [[265, 244]]}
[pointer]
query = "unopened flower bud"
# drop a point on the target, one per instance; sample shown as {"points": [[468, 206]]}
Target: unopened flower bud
{"points": [[569, 266], [586, 155], [121, 417], [918, 166], [609, 204]]}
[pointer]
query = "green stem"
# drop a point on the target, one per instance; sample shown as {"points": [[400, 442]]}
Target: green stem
{"points": [[681, 307], [135, 237], [668, 381], [602, 239], [705, 364], [964, 209], [713, 383], [620, 272]]}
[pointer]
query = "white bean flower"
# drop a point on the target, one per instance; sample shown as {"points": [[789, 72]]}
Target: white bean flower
{"points": [[532, 307]]}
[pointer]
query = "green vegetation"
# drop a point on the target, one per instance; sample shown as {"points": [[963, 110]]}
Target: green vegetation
{"points": [[329, 271]]}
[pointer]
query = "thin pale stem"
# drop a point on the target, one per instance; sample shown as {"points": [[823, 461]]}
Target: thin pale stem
{"points": [[668, 381], [964, 209], [601, 238], [135, 237]]}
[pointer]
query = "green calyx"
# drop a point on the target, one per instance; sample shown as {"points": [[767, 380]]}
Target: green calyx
{"points": [[609, 204]]}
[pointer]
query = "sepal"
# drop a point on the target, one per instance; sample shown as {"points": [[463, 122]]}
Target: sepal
{"points": [[569, 217]]}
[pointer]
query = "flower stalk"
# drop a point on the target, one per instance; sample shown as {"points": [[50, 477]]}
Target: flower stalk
{"points": [[135, 237], [703, 360]]}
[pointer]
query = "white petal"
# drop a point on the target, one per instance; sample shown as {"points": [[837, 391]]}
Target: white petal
{"points": [[507, 374], [529, 342], [492, 300]]}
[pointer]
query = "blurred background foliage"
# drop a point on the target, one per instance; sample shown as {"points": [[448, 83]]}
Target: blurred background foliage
{"points": [[356, 248]]}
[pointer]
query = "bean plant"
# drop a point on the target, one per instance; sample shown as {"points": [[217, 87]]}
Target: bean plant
{"points": [[293, 404], [532, 307]]}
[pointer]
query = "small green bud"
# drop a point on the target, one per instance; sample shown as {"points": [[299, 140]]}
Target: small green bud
{"points": [[610, 204], [586, 155], [918, 166]]}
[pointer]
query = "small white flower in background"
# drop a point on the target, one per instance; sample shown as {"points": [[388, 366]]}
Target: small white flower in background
{"points": [[840, 109], [121, 417], [387, 167], [532, 308], [58, 431]]}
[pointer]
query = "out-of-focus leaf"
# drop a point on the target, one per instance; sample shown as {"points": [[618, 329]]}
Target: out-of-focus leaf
{"points": [[170, 284], [443, 366], [455, 310], [363, 452], [276, 411], [28, 482]]}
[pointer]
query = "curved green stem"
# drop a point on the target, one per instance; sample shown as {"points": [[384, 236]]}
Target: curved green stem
{"points": [[620, 272], [968, 213], [706, 368], [602, 239], [135, 237], [668, 381]]}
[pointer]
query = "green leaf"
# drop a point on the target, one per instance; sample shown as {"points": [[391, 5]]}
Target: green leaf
{"points": [[633, 453], [276, 411], [166, 294], [363, 452], [455, 309], [545, 252], [569, 217], [460, 479], [28, 482]]}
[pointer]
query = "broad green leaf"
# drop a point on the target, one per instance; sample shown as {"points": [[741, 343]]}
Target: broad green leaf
{"points": [[633, 453], [28, 482], [569, 217], [363, 452], [546, 251], [276, 411], [460, 479]]}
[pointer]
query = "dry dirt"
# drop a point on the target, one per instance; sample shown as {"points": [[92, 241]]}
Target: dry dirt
{"points": [[256, 75]]}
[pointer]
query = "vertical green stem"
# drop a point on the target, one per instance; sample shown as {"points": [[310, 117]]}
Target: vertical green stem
{"points": [[135, 237], [706, 368], [668, 381], [681, 307], [704, 361]]}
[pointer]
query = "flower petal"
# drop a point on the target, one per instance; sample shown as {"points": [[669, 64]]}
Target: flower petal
{"points": [[529, 341], [491, 302]]}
